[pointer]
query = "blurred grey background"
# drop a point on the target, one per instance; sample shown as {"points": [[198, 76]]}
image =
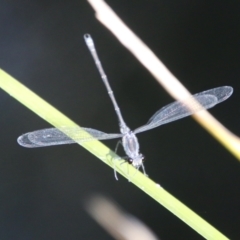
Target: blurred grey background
{"points": [[41, 45]]}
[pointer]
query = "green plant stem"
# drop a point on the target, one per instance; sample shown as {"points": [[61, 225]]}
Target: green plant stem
{"points": [[57, 119]]}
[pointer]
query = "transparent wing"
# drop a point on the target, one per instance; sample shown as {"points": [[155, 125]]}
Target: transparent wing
{"points": [[66, 135], [178, 110]]}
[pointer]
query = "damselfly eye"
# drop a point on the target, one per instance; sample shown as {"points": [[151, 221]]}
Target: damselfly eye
{"points": [[129, 160]]}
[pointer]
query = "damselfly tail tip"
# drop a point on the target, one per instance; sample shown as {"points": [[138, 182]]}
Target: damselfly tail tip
{"points": [[88, 40]]}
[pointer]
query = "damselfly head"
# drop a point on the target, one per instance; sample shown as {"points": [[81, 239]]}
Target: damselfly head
{"points": [[137, 161]]}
